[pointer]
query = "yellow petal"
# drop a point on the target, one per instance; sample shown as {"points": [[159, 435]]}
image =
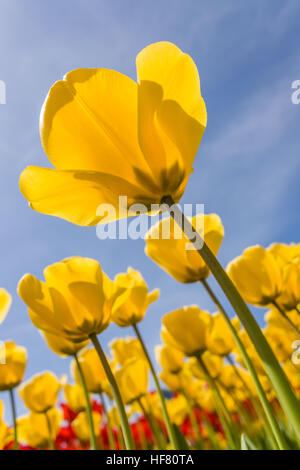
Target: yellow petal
{"points": [[89, 121], [5, 303], [169, 95], [77, 196]]}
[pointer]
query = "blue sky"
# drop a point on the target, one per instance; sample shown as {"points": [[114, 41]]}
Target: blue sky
{"points": [[247, 167]]}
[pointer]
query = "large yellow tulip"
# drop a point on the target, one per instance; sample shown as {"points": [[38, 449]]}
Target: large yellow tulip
{"points": [[12, 372], [290, 297], [40, 393], [167, 246], [107, 136], [185, 329], [257, 275], [73, 302], [131, 298]]}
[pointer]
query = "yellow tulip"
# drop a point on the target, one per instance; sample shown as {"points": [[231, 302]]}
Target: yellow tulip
{"points": [[212, 362], [276, 320], [132, 379], [290, 296], [177, 409], [206, 399], [93, 371], [256, 275], [62, 346], [74, 397], [4, 431], [170, 359], [185, 329], [12, 372], [172, 381], [150, 403], [281, 341], [40, 393], [33, 428], [81, 428], [219, 338], [167, 246], [285, 253], [131, 298], [141, 142], [5, 303], [125, 348], [73, 302]]}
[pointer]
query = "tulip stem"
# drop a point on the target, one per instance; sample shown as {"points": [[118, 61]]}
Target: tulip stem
{"points": [[282, 387], [248, 363], [170, 428], [226, 419], [14, 414], [129, 442], [110, 434], [152, 423], [285, 316], [51, 444], [193, 419], [88, 404]]}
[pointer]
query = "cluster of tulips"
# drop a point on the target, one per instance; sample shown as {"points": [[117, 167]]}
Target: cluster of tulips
{"points": [[228, 384]]}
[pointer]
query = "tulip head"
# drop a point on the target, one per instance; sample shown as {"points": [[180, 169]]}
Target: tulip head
{"points": [[132, 379], [185, 329], [131, 298], [12, 371], [140, 143], [256, 275], [40, 392], [74, 397], [219, 337], [73, 302], [80, 425], [169, 359], [167, 245], [33, 428], [93, 371], [123, 349], [61, 345], [290, 297]]}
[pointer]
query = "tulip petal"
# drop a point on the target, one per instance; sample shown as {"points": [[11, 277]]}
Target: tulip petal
{"points": [[89, 122], [77, 196], [5, 303]]}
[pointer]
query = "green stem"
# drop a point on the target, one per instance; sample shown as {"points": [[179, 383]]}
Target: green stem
{"points": [[170, 428], [129, 442], [88, 404], [111, 438], [194, 422], [282, 387], [286, 317], [51, 444], [248, 363], [14, 414], [215, 388], [155, 431]]}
